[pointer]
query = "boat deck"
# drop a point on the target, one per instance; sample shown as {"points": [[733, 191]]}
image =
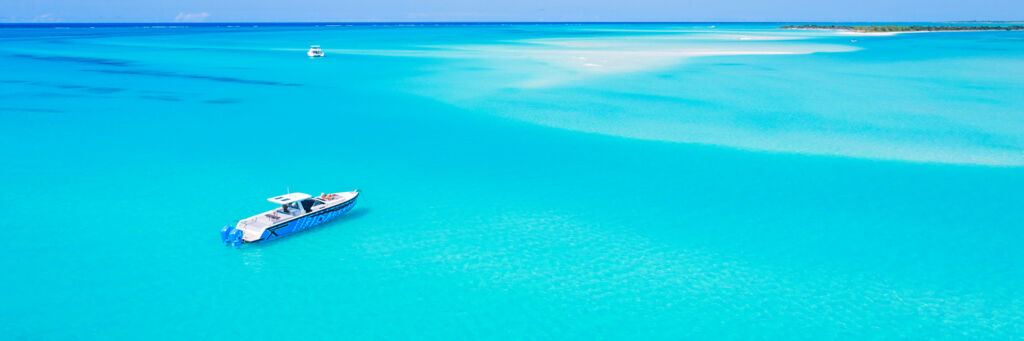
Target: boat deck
{"points": [[267, 219]]}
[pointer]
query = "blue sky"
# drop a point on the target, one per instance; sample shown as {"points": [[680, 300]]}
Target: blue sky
{"points": [[519, 10]]}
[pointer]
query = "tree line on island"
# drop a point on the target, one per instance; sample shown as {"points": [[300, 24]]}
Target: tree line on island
{"points": [[903, 28]]}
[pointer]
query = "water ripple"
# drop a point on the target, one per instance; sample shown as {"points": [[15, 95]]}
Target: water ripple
{"points": [[80, 60], [191, 76]]}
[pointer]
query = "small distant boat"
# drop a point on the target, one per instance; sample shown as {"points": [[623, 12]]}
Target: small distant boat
{"points": [[298, 212], [853, 40], [315, 51]]}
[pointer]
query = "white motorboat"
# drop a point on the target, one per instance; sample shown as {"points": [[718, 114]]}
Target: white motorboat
{"points": [[298, 212], [315, 51]]}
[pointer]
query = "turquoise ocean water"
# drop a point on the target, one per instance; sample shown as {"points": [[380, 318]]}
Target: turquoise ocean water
{"points": [[599, 181]]}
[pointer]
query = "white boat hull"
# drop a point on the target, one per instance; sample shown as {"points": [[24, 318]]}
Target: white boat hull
{"points": [[265, 227]]}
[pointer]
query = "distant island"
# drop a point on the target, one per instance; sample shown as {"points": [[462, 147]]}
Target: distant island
{"points": [[903, 28]]}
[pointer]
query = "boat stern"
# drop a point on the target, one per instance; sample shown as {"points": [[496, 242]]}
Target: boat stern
{"points": [[231, 235]]}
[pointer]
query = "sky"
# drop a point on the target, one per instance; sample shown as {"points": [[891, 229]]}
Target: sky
{"points": [[504, 10]]}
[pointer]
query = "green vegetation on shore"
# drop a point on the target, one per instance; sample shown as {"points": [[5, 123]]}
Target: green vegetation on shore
{"points": [[902, 28]]}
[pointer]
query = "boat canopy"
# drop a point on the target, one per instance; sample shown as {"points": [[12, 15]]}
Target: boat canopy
{"points": [[289, 198]]}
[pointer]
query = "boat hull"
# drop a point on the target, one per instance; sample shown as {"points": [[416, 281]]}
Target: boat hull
{"points": [[306, 222]]}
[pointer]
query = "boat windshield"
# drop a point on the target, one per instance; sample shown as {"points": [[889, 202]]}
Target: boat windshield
{"points": [[308, 204]]}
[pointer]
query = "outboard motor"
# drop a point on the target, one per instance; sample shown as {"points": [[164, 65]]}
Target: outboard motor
{"points": [[224, 233], [231, 236]]}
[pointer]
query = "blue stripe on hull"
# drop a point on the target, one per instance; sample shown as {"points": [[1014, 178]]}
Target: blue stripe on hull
{"points": [[307, 222]]}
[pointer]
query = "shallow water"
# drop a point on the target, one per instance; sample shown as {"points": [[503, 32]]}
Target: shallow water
{"points": [[519, 181]]}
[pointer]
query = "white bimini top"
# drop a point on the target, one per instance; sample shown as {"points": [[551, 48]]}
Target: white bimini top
{"points": [[289, 198]]}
